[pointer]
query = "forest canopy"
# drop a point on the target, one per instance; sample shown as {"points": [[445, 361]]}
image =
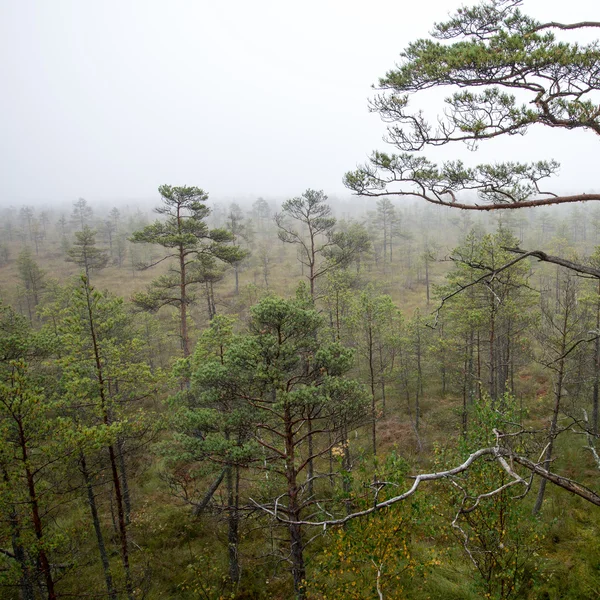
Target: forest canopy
{"points": [[317, 398]]}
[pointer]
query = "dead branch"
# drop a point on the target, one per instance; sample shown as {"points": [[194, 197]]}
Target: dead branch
{"points": [[495, 452], [543, 257], [590, 440]]}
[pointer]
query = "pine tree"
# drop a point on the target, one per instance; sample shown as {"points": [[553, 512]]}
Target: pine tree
{"points": [[84, 252], [34, 444], [278, 378], [375, 323], [82, 213], [32, 277], [103, 382], [187, 237], [311, 229]]}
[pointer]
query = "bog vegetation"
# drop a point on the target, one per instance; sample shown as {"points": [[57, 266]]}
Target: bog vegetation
{"points": [[316, 398]]}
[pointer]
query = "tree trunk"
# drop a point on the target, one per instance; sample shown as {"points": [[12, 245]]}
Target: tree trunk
{"points": [[492, 353], [597, 369], [123, 475], [419, 380], [346, 466], [338, 325], [198, 508], [295, 530], [384, 243], [297, 556], [185, 343], [35, 516], [427, 278], [25, 584], [554, 422], [479, 386], [465, 388], [310, 466], [111, 451], [112, 594], [211, 293], [233, 482], [121, 522], [373, 405], [548, 455]]}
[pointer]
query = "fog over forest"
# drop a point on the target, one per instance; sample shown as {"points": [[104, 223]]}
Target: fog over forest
{"points": [[107, 101], [299, 300]]}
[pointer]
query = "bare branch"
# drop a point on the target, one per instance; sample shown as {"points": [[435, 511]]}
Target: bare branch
{"points": [[590, 440], [490, 274], [494, 452], [198, 508], [543, 257]]}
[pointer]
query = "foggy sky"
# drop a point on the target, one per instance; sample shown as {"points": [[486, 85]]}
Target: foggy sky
{"points": [[109, 99]]}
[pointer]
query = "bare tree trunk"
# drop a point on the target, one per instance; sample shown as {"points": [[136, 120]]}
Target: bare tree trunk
{"points": [[479, 390], [295, 530], [373, 404], [552, 434], [338, 325], [110, 588], [266, 271], [121, 522], [233, 481], [554, 422], [427, 277], [35, 518], [465, 388], [597, 369], [492, 354], [385, 244], [185, 343], [123, 475], [198, 508], [297, 555], [213, 305], [346, 466], [208, 302], [310, 466], [419, 393]]}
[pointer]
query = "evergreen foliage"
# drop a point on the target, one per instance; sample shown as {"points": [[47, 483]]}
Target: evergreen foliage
{"points": [[489, 53], [194, 247]]}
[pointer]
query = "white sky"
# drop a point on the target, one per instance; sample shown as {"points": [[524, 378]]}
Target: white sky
{"points": [[107, 99]]}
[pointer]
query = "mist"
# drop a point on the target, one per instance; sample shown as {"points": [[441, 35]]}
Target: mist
{"points": [[109, 100]]}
